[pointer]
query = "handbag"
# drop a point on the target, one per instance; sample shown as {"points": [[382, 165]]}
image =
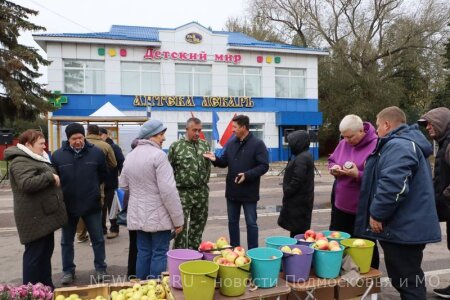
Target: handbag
{"points": [[122, 217]]}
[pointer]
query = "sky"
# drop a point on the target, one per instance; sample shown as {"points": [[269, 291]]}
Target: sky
{"points": [[81, 16]]}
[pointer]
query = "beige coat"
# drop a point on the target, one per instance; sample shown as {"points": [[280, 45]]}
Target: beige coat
{"points": [[154, 203]]}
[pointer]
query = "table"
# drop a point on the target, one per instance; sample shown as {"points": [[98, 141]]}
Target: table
{"points": [[341, 288], [282, 288]]}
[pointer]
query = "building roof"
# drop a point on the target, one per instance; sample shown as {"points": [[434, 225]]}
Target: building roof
{"points": [[151, 35]]}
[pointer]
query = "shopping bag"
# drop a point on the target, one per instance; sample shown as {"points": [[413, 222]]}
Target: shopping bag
{"points": [[122, 218]]}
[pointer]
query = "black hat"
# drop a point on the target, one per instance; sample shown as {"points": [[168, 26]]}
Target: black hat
{"points": [[103, 130], [73, 128]]}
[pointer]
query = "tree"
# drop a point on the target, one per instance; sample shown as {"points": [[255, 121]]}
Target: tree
{"points": [[256, 27], [442, 97], [21, 97]]}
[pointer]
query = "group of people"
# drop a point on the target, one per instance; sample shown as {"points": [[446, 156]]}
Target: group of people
{"points": [[383, 190]]}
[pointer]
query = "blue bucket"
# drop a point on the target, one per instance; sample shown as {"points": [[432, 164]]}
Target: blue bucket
{"points": [[278, 241], [343, 235], [327, 264], [265, 266]]}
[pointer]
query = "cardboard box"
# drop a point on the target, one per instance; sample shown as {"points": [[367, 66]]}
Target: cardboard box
{"points": [[84, 292], [324, 293], [346, 291]]}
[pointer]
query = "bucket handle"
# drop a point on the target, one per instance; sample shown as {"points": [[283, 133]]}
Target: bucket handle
{"points": [[217, 249], [209, 276], [242, 269]]}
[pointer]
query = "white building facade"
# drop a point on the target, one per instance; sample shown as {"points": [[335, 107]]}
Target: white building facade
{"points": [[173, 74]]}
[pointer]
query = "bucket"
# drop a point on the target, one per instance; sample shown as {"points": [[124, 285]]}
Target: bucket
{"points": [[300, 237], [174, 258], [362, 256], [198, 278], [233, 279], [327, 264], [343, 235], [297, 267], [278, 241], [209, 255], [265, 266]]}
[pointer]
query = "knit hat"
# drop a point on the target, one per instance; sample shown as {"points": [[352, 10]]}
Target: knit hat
{"points": [[151, 128], [73, 128]]}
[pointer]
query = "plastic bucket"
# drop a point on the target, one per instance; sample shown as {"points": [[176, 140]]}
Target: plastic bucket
{"points": [[265, 266], [327, 264], [343, 235], [278, 241], [233, 279], [362, 256], [198, 278], [176, 257], [297, 267], [209, 256], [300, 237]]}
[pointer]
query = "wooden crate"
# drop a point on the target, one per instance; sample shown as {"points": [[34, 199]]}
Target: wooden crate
{"points": [[86, 292]]}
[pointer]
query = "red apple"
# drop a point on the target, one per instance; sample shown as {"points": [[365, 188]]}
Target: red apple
{"points": [[224, 252], [309, 233], [310, 239], [221, 261], [206, 246], [335, 235], [319, 236], [239, 251], [240, 261], [322, 244], [231, 256]]}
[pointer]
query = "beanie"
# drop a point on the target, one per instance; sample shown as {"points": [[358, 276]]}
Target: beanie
{"points": [[151, 128], [73, 128]]}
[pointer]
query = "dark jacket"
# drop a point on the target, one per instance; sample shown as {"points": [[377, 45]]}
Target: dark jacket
{"points": [[298, 185], [38, 203], [249, 157], [112, 176], [397, 190], [81, 175]]}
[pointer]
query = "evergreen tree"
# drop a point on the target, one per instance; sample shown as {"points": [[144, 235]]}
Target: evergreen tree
{"points": [[21, 97]]}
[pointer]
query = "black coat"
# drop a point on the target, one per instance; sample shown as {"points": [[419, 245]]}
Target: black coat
{"points": [[298, 186], [112, 177], [81, 175], [249, 157]]}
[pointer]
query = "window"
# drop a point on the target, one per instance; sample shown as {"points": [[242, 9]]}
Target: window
{"points": [[257, 130], [244, 81], [140, 78], [193, 80], [290, 83], [84, 77], [206, 129]]}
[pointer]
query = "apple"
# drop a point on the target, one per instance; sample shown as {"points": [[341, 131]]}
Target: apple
{"points": [[286, 249], [297, 251], [221, 242], [240, 261], [206, 246], [231, 256], [359, 243], [310, 239], [60, 297], [74, 296], [309, 233], [322, 244], [273, 257], [334, 246], [224, 252], [319, 236], [335, 235], [239, 251], [221, 261]]}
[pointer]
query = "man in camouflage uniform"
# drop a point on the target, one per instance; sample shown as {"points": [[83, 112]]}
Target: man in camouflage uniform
{"points": [[192, 172]]}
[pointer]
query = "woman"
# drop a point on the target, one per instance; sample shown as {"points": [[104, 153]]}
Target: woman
{"points": [[39, 209], [154, 206], [298, 186], [346, 164]]}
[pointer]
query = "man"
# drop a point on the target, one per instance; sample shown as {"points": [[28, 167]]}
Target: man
{"points": [[437, 122], [247, 160], [111, 184], [396, 205], [192, 172], [94, 138], [81, 167]]}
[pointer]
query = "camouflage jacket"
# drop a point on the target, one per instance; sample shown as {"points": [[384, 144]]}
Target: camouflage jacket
{"points": [[191, 169]]}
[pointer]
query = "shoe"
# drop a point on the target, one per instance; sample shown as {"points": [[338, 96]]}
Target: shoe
{"points": [[112, 235], [101, 275], [82, 239], [68, 278], [443, 293]]}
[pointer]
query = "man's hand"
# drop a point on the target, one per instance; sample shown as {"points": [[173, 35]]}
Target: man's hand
{"points": [[336, 170], [375, 226], [178, 229], [239, 178], [57, 181], [209, 155]]}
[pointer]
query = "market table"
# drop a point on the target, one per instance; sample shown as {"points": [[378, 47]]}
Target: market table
{"points": [[282, 288], [336, 288]]}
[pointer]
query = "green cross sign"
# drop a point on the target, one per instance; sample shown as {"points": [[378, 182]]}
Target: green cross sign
{"points": [[58, 100]]}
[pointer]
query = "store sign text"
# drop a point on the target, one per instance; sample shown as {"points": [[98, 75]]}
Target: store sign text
{"points": [[188, 101], [191, 56]]}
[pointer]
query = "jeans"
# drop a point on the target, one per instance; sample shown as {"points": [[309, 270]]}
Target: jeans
{"points": [[151, 257], [37, 261], [94, 227], [234, 214]]}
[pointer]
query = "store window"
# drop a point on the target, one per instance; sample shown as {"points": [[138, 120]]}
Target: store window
{"points": [[206, 129], [244, 81], [290, 83], [257, 130], [84, 77], [193, 80], [140, 78]]}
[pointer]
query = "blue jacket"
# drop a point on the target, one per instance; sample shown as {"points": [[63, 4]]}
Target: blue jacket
{"points": [[249, 157], [81, 175], [397, 190]]}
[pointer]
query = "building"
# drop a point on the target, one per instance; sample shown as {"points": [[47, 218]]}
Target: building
{"points": [[173, 73]]}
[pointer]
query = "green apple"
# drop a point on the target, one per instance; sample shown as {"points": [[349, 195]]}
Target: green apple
{"points": [[60, 297], [74, 296]]}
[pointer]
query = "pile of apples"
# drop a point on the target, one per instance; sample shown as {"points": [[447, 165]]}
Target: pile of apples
{"points": [[311, 236], [324, 244], [233, 258], [151, 290], [214, 248], [287, 249]]}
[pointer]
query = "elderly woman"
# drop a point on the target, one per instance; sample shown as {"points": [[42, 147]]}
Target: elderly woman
{"points": [[346, 164], [154, 207], [39, 209]]}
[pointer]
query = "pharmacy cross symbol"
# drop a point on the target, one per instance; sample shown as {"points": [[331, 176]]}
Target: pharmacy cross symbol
{"points": [[58, 100]]}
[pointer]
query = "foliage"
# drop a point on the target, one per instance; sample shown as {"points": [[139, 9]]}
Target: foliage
{"points": [[20, 95], [26, 292], [442, 97]]}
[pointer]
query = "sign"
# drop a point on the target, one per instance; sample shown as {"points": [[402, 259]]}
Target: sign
{"points": [[201, 56], [188, 101], [193, 38]]}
